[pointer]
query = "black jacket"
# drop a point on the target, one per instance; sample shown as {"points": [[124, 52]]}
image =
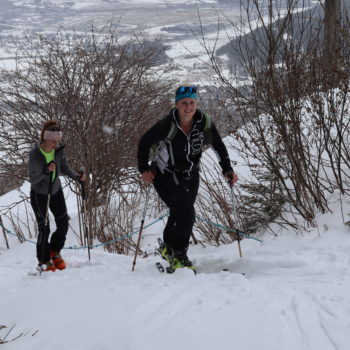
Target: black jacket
{"points": [[186, 150]]}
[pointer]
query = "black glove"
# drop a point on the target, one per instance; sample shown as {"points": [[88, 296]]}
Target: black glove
{"points": [[46, 170], [80, 175]]}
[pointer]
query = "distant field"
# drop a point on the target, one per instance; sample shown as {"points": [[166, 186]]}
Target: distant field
{"points": [[173, 20], [177, 22]]}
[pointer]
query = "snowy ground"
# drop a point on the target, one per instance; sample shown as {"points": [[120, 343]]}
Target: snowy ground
{"points": [[295, 295]]}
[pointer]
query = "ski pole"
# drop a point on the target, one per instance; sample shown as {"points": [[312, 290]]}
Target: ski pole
{"points": [[238, 237], [83, 214], [141, 228], [4, 232], [45, 235], [48, 203], [81, 237], [235, 216]]}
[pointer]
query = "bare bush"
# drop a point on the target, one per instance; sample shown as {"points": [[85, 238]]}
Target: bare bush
{"points": [[103, 91], [213, 205], [6, 337], [294, 109], [116, 220]]}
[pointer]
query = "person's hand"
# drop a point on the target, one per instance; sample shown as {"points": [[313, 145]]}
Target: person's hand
{"points": [[82, 177], [148, 176], [231, 177], [51, 167]]}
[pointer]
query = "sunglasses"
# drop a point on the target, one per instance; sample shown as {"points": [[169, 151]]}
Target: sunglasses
{"points": [[54, 129], [192, 89]]}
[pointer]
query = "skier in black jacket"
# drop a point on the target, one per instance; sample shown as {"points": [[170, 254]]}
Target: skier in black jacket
{"points": [[180, 138]]}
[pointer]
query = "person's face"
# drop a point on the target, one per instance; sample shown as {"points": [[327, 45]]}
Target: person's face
{"points": [[51, 144], [186, 107]]}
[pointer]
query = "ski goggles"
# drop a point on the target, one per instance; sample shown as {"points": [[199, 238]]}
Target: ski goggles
{"points": [[186, 92], [183, 89]]}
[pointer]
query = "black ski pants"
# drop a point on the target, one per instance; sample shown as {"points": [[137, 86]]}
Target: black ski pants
{"points": [[180, 199], [58, 208]]}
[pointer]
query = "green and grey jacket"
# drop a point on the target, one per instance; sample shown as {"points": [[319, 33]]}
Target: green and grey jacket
{"points": [[181, 153], [39, 178]]}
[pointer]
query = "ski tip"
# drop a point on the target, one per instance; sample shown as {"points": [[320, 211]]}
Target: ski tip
{"points": [[169, 269], [160, 267]]}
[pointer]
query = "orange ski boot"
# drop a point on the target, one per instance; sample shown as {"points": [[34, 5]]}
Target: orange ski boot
{"points": [[57, 260]]}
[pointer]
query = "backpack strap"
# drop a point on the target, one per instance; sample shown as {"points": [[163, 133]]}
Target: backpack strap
{"points": [[207, 129], [172, 131], [207, 122]]}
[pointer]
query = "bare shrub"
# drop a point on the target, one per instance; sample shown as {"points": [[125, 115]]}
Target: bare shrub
{"points": [[213, 206], [7, 337], [294, 111], [103, 91]]}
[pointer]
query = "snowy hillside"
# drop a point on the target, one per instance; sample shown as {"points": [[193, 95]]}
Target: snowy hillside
{"points": [[294, 295], [289, 292]]}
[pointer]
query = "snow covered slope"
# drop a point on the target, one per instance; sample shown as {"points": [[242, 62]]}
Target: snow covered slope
{"points": [[295, 295]]}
